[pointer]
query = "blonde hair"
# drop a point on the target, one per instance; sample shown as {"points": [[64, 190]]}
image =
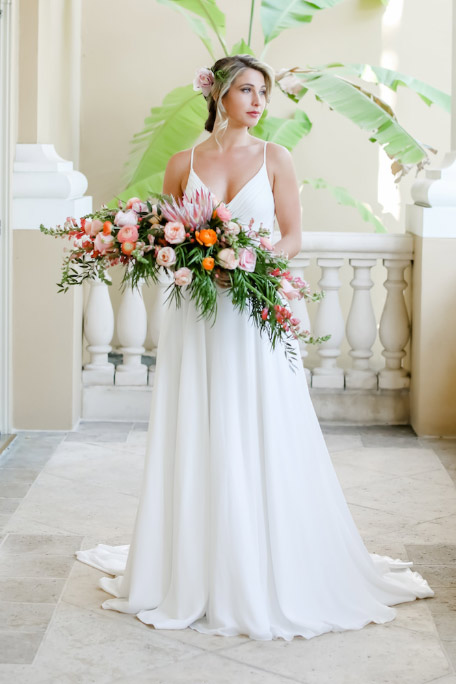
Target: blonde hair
{"points": [[225, 72]]}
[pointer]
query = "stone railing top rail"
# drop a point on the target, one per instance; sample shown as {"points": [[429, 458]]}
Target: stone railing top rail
{"points": [[351, 245]]}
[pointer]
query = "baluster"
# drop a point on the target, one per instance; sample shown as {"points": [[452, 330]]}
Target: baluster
{"points": [[394, 327], [131, 329], [157, 308], [299, 306], [329, 320], [361, 329], [98, 331]]}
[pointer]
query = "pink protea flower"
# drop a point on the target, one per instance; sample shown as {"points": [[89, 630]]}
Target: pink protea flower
{"points": [[193, 211]]}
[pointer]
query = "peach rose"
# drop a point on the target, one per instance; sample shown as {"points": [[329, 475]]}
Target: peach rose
{"points": [[183, 276], [92, 227], [288, 290], [266, 243], [291, 84], [247, 259], [103, 243], [222, 212], [128, 234], [204, 80], [174, 232], [231, 228], [125, 218], [166, 256], [227, 258]]}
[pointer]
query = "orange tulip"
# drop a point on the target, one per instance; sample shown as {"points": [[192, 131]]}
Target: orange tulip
{"points": [[208, 263], [206, 237]]}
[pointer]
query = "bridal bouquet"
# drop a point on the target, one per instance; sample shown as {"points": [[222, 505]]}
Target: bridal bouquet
{"points": [[197, 241]]}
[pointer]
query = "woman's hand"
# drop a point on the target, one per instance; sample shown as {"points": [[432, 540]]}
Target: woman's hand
{"points": [[222, 277]]}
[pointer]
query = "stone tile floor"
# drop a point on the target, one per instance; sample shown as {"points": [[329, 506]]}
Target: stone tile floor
{"points": [[63, 491]]}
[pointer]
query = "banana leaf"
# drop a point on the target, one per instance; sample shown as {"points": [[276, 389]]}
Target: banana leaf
{"points": [[392, 79], [366, 110], [286, 132], [208, 11], [344, 198], [277, 15], [148, 187], [198, 25], [241, 48], [170, 127]]}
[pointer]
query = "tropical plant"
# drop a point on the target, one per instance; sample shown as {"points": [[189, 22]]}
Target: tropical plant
{"points": [[345, 88]]}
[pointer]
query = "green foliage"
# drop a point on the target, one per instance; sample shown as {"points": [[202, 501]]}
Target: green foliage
{"points": [[344, 198], [210, 14], [286, 132], [277, 15]]}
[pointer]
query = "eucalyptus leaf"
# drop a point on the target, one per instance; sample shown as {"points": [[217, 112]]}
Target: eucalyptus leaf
{"points": [[277, 15], [344, 198]]}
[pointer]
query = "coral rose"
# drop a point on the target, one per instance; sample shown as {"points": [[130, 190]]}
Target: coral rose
{"points": [[166, 256], [208, 263], [222, 211], [128, 234], [174, 232], [183, 276], [128, 247], [247, 259], [206, 237], [227, 258]]}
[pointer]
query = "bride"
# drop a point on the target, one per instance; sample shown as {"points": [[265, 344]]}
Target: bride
{"points": [[242, 525]]}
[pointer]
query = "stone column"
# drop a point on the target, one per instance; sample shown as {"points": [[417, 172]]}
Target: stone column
{"points": [[432, 220]]}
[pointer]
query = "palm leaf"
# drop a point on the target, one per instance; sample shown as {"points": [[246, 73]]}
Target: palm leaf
{"points": [[344, 198], [277, 15], [286, 132], [171, 127]]}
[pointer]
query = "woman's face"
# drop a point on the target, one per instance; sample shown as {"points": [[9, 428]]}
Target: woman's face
{"points": [[246, 99]]}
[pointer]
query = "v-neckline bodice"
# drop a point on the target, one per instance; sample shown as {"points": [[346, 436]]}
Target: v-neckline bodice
{"points": [[227, 204]]}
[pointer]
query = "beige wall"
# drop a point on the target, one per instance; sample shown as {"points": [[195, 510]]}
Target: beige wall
{"points": [[47, 335]]}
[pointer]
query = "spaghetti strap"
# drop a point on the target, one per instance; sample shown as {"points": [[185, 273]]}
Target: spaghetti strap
{"points": [[191, 160], [264, 160]]}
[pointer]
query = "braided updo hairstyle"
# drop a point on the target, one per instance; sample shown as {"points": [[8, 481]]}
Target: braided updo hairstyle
{"points": [[225, 71]]}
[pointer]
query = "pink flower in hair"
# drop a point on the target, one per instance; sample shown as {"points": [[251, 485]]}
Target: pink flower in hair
{"points": [[204, 80]]}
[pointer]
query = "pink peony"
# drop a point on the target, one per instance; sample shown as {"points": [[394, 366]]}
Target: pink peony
{"points": [[204, 80], [183, 276], [227, 258], [125, 218], [103, 243], [222, 212], [174, 232], [128, 234], [166, 256], [288, 290], [247, 259]]}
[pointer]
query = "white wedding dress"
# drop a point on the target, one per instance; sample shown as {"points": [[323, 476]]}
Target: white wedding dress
{"points": [[242, 525]]}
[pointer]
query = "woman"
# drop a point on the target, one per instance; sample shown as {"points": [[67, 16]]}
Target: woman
{"points": [[242, 526]]}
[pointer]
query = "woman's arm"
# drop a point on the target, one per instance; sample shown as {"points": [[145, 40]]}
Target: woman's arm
{"points": [[176, 170], [287, 202]]}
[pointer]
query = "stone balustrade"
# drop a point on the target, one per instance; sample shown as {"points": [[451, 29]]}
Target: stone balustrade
{"points": [[328, 251]]}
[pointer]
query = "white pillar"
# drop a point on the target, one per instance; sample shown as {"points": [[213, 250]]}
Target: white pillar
{"points": [[299, 306], [98, 331], [432, 220], [131, 327], [329, 320]]}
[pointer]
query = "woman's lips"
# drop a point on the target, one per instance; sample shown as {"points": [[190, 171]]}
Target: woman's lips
{"points": [[253, 113]]}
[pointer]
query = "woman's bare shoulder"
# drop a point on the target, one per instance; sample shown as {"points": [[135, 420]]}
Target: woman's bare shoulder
{"points": [[180, 160], [278, 153]]}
